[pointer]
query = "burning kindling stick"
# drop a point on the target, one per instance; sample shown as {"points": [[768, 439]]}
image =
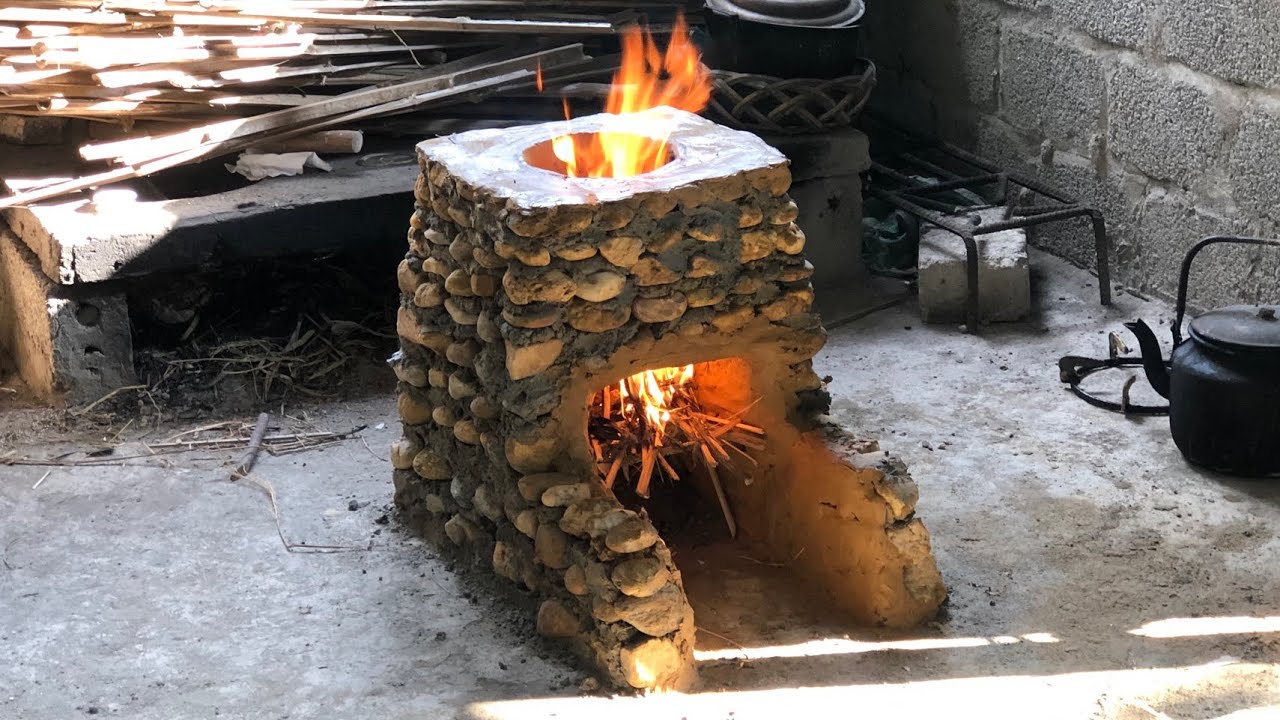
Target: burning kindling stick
{"points": [[652, 422]]}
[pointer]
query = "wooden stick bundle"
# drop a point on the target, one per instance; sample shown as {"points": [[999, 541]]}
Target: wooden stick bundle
{"points": [[626, 442]]}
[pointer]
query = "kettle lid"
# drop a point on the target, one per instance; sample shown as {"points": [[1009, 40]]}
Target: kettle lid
{"points": [[1240, 327]]}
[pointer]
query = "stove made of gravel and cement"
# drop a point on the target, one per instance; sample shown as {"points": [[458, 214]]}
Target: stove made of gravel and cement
{"points": [[526, 291]]}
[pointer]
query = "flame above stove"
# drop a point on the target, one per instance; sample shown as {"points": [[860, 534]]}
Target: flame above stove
{"points": [[645, 79]]}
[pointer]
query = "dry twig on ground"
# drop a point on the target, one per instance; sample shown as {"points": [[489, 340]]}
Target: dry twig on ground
{"points": [[279, 444], [301, 548]]}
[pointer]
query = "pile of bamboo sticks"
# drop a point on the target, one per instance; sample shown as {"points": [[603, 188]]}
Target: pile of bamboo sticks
{"points": [[218, 71], [474, 76], [177, 59], [695, 439]]}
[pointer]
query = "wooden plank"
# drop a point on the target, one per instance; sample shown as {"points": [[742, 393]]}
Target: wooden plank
{"points": [[277, 73], [132, 42], [61, 16], [213, 149], [134, 27], [12, 76], [406, 22], [370, 7], [64, 107], [443, 76], [325, 142], [130, 57], [176, 74], [318, 51], [130, 51], [231, 100], [91, 61], [87, 92]]}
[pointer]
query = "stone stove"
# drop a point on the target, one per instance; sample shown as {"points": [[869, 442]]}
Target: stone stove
{"points": [[525, 292]]}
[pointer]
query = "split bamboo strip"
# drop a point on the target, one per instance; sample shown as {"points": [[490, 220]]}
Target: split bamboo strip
{"points": [[693, 436], [404, 22], [276, 73], [729, 520], [646, 471], [60, 17], [613, 472]]}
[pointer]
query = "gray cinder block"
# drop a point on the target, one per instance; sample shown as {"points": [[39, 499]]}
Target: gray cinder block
{"points": [[73, 342], [1004, 275], [1167, 122], [1051, 83], [1255, 158]]}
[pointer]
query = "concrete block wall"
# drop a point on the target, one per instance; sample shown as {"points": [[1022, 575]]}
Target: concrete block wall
{"points": [[1163, 113]]}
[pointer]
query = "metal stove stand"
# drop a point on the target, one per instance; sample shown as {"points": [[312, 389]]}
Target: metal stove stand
{"points": [[1027, 202]]}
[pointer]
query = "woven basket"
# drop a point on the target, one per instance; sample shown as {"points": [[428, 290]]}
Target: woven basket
{"points": [[762, 103]]}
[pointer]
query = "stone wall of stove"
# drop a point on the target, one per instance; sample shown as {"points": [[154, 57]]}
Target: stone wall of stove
{"points": [[513, 313]]}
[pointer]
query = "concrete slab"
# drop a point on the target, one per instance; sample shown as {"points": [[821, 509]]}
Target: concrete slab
{"points": [[119, 236], [827, 185], [63, 341], [1092, 573], [1004, 275]]}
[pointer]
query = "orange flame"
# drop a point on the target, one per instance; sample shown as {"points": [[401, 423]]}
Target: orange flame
{"points": [[646, 79], [651, 393]]}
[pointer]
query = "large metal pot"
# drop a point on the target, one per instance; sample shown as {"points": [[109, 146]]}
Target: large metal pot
{"points": [[784, 38], [1222, 382]]}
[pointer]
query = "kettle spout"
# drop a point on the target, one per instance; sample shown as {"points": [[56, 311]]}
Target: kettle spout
{"points": [[1152, 362]]}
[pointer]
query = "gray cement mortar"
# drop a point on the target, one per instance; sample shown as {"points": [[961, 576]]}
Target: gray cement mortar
{"points": [[164, 592], [1036, 67]]}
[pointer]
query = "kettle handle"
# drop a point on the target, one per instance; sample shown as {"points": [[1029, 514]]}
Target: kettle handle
{"points": [[1185, 277]]}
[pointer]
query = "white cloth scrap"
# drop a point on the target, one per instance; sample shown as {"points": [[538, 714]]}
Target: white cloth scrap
{"points": [[257, 166]]}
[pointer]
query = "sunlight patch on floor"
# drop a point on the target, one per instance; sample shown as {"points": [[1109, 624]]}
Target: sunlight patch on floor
{"points": [[1205, 626], [1048, 697], [843, 646]]}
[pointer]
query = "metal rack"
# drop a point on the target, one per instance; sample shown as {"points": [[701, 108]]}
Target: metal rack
{"points": [[1026, 201]]}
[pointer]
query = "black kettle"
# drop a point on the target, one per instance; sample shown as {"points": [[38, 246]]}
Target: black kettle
{"points": [[1222, 382]]}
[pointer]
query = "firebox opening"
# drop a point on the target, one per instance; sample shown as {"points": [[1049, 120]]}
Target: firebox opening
{"points": [[600, 154], [675, 439], [708, 496]]}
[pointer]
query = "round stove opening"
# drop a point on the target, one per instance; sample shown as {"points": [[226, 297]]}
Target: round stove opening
{"points": [[600, 154]]}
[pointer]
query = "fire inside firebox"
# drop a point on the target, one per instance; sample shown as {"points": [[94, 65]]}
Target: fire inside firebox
{"points": [[656, 429]]}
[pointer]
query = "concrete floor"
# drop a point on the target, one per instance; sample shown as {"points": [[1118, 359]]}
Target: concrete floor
{"points": [[1076, 544]]}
